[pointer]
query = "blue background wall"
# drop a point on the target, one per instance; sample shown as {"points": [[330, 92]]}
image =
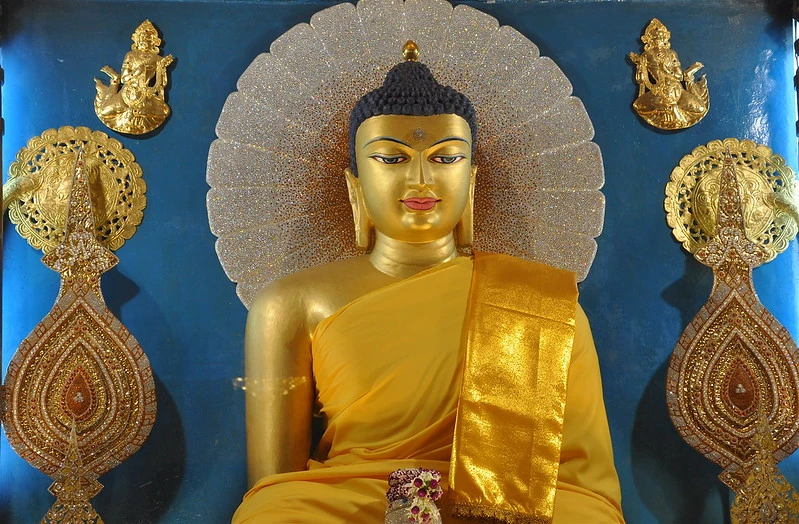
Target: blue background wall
{"points": [[172, 294]]}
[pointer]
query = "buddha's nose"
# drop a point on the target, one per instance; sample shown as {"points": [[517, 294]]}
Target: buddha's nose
{"points": [[421, 173]]}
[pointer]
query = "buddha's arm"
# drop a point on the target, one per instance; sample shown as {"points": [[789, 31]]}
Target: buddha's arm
{"points": [[588, 487], [279, 400]]}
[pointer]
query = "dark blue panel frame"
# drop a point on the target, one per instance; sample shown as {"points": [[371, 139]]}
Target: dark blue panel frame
{"points": [[172, 294]]}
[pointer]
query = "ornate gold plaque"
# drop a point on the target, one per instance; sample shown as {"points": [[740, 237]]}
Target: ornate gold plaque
{"points": [[768, 197], [668, 97], [138, 106], [39, 181], [735, 368], [79, 390]]}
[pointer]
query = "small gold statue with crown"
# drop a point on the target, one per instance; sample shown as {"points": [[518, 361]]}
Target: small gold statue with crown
{"points": [[138, 106], [668, 97]]}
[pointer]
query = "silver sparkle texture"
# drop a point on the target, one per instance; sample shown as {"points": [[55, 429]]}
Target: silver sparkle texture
{"points": [[278, 201]]}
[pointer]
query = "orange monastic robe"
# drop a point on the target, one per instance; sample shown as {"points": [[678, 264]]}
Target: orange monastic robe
{"points": [[388, 372]]}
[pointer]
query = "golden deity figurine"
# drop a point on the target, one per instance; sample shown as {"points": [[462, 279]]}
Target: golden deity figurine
{"points": [[419, 355], [138, 106], [668, 97]]}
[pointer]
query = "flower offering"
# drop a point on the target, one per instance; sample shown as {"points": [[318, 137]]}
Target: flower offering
{"points": [[411, 496]]}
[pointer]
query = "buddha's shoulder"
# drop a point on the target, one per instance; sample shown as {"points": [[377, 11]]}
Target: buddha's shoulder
{"points": [[321, 290], [526, 265]]}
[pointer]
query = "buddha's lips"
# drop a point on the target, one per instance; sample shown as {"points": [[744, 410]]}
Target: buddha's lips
{"points": [[420, 204]]}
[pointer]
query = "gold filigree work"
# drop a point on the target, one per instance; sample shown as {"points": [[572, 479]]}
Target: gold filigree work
{"points": [[734, 364], [768, 195], [73, 487], [79, 390], [766, 495], [39, 183], [668, 97], [138, 106]]}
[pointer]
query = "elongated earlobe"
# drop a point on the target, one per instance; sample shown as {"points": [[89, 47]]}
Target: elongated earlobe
{"points": [[464, 231], [363, 225]]}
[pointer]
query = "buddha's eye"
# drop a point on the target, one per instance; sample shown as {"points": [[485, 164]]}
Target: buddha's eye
{"points": [[390, 159], [447, 159]]}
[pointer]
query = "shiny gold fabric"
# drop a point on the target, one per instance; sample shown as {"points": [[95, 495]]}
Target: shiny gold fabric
{"points": [[513, 396], [388, 370]]}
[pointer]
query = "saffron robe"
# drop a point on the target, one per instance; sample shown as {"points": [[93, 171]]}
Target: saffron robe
{"points": [[387, 368]]}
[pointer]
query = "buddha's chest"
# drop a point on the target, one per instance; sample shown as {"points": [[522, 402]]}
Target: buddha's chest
{"points": [[395, 344]]}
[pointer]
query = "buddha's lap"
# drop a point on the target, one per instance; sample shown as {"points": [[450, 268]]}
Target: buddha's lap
{"points": [[338, 500], [334, 501]]}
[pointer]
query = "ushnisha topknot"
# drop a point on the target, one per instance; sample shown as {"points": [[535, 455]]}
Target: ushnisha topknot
{"points": [[410, 89]]}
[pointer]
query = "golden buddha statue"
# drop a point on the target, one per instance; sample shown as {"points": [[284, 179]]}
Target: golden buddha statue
{"points": [[138, 106], [420, 355]]}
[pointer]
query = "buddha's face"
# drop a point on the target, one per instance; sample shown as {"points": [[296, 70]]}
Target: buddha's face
{"points": [[415, 174]]}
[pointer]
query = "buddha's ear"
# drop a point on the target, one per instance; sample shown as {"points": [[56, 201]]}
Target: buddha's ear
{"points": [[472, 180], [464, 231], [363, 225]]}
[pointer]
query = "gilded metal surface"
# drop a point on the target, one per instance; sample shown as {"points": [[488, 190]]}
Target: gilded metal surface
{"points": [[768, 197], [39, 180], [734, 364], [276, 171], [79, 390], [138, 106], [73, 487], [766, 495], [410, 51], [668, 97], [394, 168]]}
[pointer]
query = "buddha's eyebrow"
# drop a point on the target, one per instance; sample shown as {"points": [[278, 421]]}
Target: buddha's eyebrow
{"points": [[389, 138], [450, 138]]}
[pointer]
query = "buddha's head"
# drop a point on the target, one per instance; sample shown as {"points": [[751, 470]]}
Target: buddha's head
{"points": [[411, 175]]}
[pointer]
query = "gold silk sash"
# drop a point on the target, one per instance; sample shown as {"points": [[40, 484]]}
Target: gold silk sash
{"points": [[509, 426]]}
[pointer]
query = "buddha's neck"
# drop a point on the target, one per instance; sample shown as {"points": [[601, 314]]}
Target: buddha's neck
{"points": [[402, 259]]}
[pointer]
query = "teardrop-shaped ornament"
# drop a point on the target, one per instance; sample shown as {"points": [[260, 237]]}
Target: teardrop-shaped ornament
{"points": [[80, 396], [734, 361], [742, 392]]}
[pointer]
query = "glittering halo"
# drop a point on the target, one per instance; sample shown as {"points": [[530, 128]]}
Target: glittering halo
{"points": [[278, 200]]}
